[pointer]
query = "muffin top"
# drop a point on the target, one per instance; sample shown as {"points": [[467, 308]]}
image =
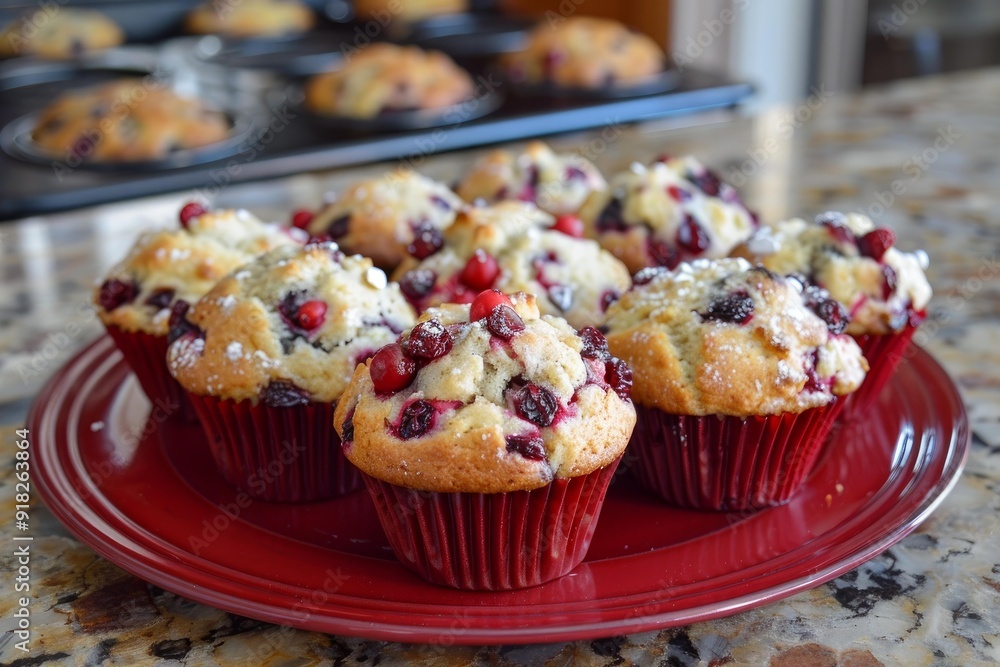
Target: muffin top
{"points": [[382, 217], [514, 246], [250, 18], [64, 33], [487, 399], [558, 183], [722, 337], [287, 328], [126, 120], [382, 77], [883, 289], [585, 52], [170, 266], [674, 210]]}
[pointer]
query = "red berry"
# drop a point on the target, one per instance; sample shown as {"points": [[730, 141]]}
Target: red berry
{"points": [[662, 254], [735, 308], [570, 225], [535, 404], [310, 315], [416, 419], [301, 218], [428, 340], [417, 284], [678, 194], [530, 447], [427, 240], [692, 237], [503, 322], [595, 345], [115, 293], [889, 282], [876, 242], [836, 224], [619, 376], [284, 394], [191, 211], [391, 370], [480, 271], [485, 302]]}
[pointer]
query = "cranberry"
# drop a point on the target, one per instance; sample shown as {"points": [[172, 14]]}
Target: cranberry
{"points": [[829, 310], [530, 447], [561, 297], [836, 225], [440, 202], [311, 314], [301, 218], [889, 282], [646, 275], [570, 225], [608, 298], [485, 302], [391, 369], [814, 383], [530, 189], [535, 404], [427, 240], [664, 158], [178, 324], [428, 340], [610, 219], [678, 194], [707, 182], [876, 242], [347, 431], [283, 394], [692, 237], [416, 419], [575, 174], [481, 271], [595, 345], [503, 322], [190, 211], [662, 253], [736, 308], [619, 376], [339, 226], [417, 284], [551, 60], [115, 293], [160, 298]]}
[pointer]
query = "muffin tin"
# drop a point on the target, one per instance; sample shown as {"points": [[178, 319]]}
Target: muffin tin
{"points": [[260, 79]]}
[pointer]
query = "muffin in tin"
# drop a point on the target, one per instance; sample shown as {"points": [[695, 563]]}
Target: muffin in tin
{"points": [[884, 291], [266, 354], [250, 18], [737, 380], [127, 120], [585, 52], [168, 270], [382, 217], [384, 78], [408, 11], [558, 183], [64, 32], [514, 246], [674, 210], [500, 429]]}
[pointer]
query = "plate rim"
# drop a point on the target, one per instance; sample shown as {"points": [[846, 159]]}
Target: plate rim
{"points": [[356, 619]]}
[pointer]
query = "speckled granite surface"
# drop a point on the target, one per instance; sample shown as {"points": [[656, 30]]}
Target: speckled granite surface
{"points": [[923, 157]]}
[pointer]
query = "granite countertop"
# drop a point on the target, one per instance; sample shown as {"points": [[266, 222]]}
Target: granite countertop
{"points": [[921, 156]]}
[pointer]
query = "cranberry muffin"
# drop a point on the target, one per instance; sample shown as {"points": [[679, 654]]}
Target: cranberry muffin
{"points": [[171, 269], [266, 354], [384, 78], [409, 11], [381, 218], [884, 290], [64, 32], [737, 377], [500, 428], [674, 210], [515, 247], [585, 52], [558, 183], [250, 18], [128, 121]]}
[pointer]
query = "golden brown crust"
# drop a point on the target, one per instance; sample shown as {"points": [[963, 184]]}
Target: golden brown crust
{"points": [[407, 10], [383, 77], [250, 18], [63, 33]]}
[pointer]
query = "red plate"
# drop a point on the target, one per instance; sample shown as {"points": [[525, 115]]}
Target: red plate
{"points": [[144, 495]]}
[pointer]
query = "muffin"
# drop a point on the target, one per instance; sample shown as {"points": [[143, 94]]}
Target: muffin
{"points": [[64, 32], [737, 380], [515, 247], [558, 183], [487, 437], [267, 353], [126, 120], [382, 217], [884, 290], [409, 11], [383, 78], [585, 52], [250, 18], [167, 270], [672, 211]]}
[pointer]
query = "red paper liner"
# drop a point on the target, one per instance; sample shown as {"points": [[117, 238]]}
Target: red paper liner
{"points": [[727, 463], [146, 355], [883, 354], [492, 541], [277, 454]]}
